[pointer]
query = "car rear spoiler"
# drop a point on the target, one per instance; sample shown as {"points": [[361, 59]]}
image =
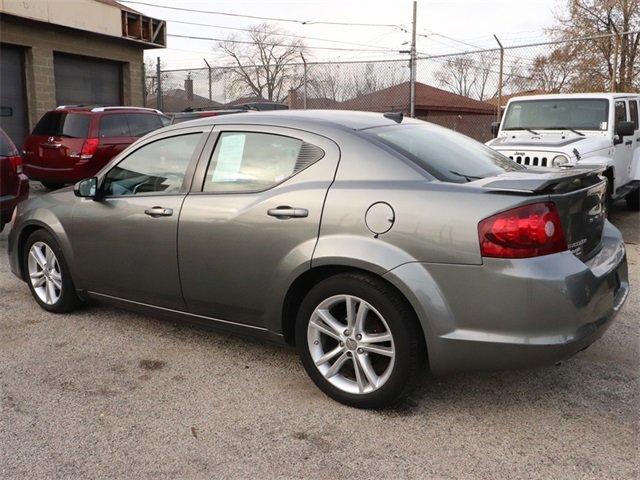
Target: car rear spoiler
{"points": [[541, 181]]}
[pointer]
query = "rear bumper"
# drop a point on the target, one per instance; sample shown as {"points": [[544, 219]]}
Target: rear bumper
{"points": [[8, 202], [516, 313]]}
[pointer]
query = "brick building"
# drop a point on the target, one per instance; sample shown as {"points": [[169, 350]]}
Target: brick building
{"points": [[73, 52]]}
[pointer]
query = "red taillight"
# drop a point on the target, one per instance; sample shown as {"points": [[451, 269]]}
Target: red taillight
{"points": [[89, 148], [527, 231], [16, 163]]}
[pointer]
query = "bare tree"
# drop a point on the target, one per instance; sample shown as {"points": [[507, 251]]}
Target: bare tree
{"points": [[263, 66], [151, 76], [470, 76], [554, 72], [595, 59]]}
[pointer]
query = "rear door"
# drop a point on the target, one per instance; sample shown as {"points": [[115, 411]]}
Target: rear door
{"points": [[128, 239], [250, 223]]}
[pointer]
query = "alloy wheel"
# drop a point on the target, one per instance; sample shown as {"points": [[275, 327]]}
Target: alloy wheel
{"points": [[44, 273], [351, 344]]}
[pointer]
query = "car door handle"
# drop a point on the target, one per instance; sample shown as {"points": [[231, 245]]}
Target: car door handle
{"points": [[159, 212], [629, 142], [284, 213]]}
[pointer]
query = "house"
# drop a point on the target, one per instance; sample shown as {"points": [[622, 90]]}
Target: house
{"points": [[295, 100], [179, 99], [90, 52], [505, 98], [463, 114]]}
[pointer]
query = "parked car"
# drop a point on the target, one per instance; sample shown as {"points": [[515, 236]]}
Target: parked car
{"points": [[192, 114], [374, 243], [594, 130], [14, 185], [74, 142]]}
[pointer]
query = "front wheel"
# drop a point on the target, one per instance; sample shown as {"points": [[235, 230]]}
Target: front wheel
{"points": [[47, 273], [359, 341]]}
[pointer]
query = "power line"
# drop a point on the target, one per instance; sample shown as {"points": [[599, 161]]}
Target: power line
{"points": [[281, 34], [256, 17], [247, 42]]}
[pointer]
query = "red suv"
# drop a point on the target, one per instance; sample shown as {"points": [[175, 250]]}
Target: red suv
{"points": [[14, 185], [74, 142]]}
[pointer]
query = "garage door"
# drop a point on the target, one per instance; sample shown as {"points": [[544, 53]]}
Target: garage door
{"points": [[13, 114], [87, 81]]}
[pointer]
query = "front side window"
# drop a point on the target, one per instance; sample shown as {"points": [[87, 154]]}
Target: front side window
{"points": [[557, 114], [445, 154], [142, 123], [621, 113], [633, 112], [247, 161], [157, 167], [62, 124]]}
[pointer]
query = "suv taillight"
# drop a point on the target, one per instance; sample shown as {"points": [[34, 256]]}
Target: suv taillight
{"points": [[528, 231], [16, 163], [89, 148]]}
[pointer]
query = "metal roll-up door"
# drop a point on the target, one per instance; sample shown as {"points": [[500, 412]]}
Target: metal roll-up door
{"points": [[87, 81], [13, 109]]}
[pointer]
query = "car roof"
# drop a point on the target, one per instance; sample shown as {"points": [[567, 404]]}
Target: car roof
{"points": [[342, 119]]}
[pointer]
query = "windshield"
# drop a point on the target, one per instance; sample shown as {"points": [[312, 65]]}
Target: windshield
{"points": [[445, 154], [557, 114]]}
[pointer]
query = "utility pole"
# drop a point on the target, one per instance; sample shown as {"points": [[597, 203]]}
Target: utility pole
{"points": [[209, 67], [159, 104], [499, 107], [614, 72], [412, 100]]}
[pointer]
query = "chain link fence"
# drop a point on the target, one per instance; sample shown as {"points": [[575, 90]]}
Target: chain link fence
{"points": [[464, 91]]}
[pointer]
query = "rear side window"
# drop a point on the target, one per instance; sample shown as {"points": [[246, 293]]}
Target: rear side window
{"points": [[633, 112], [63, 124], [445, 154], [114, 125], [248, 161], [7, 149], [142, 123]]}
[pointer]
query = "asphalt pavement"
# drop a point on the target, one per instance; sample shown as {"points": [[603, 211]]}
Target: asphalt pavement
{"points": [[103, 393]]}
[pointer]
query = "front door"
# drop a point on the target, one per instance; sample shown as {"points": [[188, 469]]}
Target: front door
{"points": [[623, 147], [253, 219], [126, 242]]}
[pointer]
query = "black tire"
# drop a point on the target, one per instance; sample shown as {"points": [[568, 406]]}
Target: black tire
{"points": [[408, 339], [633, 200], [68, 300], [52, 186]]}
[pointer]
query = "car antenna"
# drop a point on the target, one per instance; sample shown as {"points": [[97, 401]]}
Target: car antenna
{"points": [[395, 116]]}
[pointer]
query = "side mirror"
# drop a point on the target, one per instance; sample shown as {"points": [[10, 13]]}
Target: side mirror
{"points": [[87, 188], [624, 129], [495, 128]]}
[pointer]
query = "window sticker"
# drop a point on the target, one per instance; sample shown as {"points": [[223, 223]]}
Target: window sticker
{"points": [[229, 158], [603, 125]]}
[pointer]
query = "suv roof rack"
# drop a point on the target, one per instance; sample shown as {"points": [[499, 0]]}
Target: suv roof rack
{"points": [[105, 108], [78, 105]]}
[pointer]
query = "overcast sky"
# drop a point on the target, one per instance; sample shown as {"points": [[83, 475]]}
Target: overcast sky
{"points": [[472, 22]]}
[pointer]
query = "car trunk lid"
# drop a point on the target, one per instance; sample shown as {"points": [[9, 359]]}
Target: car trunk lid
{"points": [[579, 195]]}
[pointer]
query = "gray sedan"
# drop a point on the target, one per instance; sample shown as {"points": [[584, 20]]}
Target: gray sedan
{"points": [[374, 243]]}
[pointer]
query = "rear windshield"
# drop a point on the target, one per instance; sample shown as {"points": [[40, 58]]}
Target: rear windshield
{"points": [[7, 148], [445, 154], [62, 124]]}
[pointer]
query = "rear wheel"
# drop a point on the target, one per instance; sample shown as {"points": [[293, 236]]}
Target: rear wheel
{"points": [[47, 273], [52, 186], [633, 200], [359, 341]]}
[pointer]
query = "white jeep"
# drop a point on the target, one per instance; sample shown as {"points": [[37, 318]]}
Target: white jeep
{"points": [[593, 130]]}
